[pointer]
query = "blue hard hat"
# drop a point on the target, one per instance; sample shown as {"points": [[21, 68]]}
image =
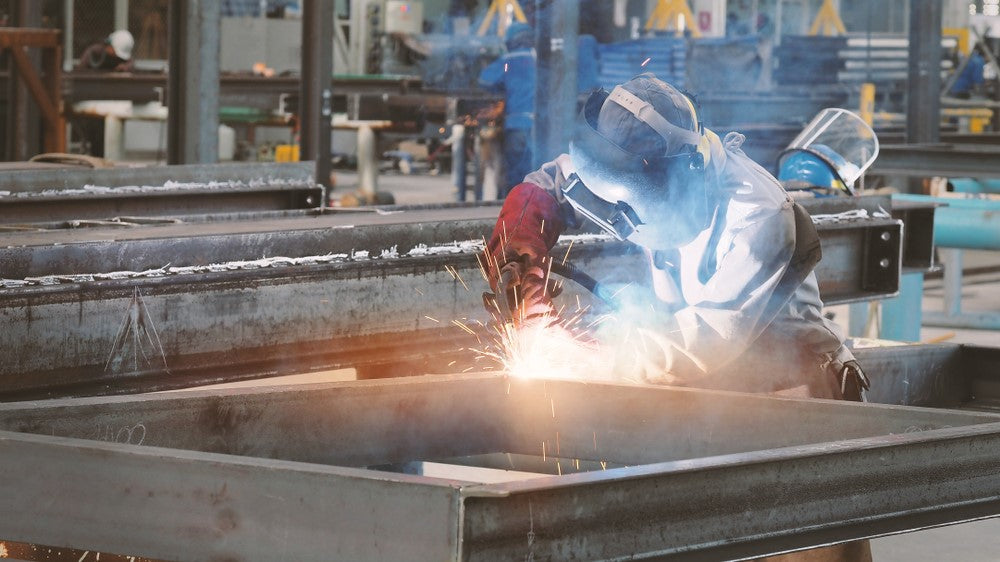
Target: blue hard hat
{"points": [[814, 167], [519, 35]]}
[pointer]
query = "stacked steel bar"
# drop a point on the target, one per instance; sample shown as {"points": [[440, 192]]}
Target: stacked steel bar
{"points": [[664, 56], [852, 59]]}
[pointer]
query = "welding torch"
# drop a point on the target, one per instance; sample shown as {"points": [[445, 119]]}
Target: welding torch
{"points": [[503, 303]]}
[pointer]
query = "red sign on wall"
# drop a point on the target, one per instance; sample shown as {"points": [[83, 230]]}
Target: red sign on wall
{"points": [[704, 20]]}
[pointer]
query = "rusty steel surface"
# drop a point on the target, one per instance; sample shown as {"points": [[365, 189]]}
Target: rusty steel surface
{"points": [[283, 471]]}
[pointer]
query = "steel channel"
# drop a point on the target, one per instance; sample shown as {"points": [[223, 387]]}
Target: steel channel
{"points": [[837, 471]]}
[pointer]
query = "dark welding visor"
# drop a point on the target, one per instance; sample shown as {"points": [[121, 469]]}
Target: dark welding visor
{"points": [[617, 219]]}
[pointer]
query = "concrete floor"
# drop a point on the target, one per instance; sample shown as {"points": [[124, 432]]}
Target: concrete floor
{"points": [[970, 542]]}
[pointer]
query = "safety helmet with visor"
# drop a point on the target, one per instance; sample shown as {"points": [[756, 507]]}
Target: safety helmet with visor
{"points": [[639, 170], [836, 139]]}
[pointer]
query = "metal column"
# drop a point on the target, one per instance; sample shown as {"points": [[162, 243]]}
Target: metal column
{"points": [[193, 84], [555, 91], [68, 27], [923, 107], [316, 95], [23, 130], [121, 14]]}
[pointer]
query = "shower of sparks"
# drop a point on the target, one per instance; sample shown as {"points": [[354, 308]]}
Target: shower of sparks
{"points": [[435, 320], [645, 62], [455, 275], [566, 257]]}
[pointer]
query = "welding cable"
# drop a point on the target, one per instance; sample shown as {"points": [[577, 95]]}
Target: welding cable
{"points": [[569, 271]]}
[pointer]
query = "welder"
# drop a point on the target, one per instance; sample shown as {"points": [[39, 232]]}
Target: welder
{"points": [[736, 304], [114, 53], [514, 75]]}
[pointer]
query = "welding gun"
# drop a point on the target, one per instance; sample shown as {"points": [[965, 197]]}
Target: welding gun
{"points": [[505, 304]]}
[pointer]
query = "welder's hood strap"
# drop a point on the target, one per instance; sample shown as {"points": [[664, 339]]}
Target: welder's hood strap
{"points": [[598, 159], [644, 111]]}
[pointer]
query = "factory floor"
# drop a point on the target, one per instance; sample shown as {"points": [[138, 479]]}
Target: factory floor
{"points": [[971, 542]]}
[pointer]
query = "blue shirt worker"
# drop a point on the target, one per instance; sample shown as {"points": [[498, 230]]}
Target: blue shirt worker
{"points": [[970, 77], [514, 75]]}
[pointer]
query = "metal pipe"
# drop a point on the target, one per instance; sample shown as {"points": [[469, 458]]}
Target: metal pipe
{"points": [[367, 163], [68, 25], [963, 222], [121, 14]]}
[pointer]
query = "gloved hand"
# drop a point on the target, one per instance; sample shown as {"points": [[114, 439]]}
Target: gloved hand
{"points": [[854, 384], [528, 227]]}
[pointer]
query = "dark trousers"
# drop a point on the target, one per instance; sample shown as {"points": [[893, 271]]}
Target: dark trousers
{"points": [[516, 158]]}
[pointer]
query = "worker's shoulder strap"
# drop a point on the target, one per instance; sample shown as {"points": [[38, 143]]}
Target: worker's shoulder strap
{"points": [[805, 255], [807, 252]]}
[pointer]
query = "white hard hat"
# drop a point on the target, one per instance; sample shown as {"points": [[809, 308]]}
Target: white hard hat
{"points": [[121, 42]]}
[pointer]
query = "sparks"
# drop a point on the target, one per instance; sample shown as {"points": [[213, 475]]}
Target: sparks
{"points": [[645, 62], [432, 319]]}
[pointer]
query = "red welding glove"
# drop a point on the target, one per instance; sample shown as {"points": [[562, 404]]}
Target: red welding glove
{"points": [[528, 227]]}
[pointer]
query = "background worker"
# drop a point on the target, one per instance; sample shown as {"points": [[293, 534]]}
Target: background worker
{"points": [[736, 304], [113, 54], [514, 75], [971, 79]]}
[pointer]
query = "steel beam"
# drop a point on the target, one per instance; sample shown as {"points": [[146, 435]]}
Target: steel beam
{"points": [[917, 218], [193, 90], [316, 96], [283, 471], [355, 289], [945, 160], [42, 197]]}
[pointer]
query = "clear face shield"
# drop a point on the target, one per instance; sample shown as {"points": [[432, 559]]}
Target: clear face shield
{"points": [[842, 140]]}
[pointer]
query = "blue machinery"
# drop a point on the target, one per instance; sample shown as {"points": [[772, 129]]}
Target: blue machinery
{"points": [[962, 221]]}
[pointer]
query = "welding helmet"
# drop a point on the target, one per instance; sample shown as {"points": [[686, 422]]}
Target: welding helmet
{"points": [[121, 42], [833, 151], [639, 157]]}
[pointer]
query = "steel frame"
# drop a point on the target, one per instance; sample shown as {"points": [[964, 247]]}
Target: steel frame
{"points": [[281, 471]]}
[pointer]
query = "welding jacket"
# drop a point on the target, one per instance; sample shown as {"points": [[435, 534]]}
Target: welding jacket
{"points": [[726, 315], [514, 75]]}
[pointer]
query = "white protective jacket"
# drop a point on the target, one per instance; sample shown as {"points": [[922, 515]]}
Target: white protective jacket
{"points": [[715, 329]]}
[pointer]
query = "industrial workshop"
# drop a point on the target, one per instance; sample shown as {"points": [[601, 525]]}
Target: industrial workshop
{"points": [[485, 280]]}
